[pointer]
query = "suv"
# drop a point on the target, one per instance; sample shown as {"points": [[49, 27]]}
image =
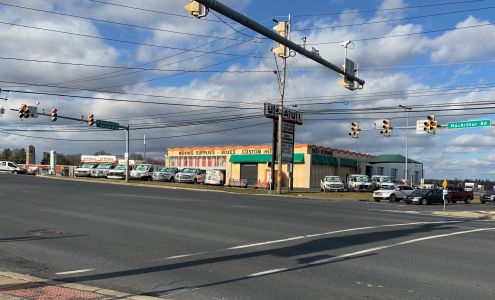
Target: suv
{"points": [[165, 174], [459, 194], [380, 181], [332, 183], [191, 175], [392, 193], [118, 172], [488, 196], [142, 172], [11, 167], [84, 170], [359, 182]]}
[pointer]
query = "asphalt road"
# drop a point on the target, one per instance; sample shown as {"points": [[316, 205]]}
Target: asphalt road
{"points": [[205, 245]]}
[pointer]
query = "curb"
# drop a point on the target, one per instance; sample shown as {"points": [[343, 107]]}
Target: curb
{"points": [[17, 279]]}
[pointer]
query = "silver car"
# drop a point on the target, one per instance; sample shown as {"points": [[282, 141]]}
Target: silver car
{"points": [[165, 174]]}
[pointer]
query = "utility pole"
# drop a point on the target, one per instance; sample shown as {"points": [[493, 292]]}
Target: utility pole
{"points": [[127, 152], [407, 109], [281, 114], [144, 154]]}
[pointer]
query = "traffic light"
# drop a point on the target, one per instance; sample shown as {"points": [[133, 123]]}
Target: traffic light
{"points": [[24, 111], [430, 125], [348, 68], [387, 128], [54, 115], [354, 130], [196, 9], [281, 29], [91, 120]]}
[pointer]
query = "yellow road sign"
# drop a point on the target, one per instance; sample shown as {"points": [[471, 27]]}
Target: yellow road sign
{"points": [[444, 184]]}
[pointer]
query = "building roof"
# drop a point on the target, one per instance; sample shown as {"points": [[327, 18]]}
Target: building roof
{"points": [[390, 158]]}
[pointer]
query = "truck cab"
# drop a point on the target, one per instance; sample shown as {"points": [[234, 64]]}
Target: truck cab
{"points": [[359, 182], [380, 181], [332, 183]]}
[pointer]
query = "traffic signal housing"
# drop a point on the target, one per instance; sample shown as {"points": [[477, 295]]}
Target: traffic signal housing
{"points": [[387, 128], [281, 29], [53, 116], [91, 119], [349, 69], [24, 111], [196, 9], [430, 125], [354, 130]]}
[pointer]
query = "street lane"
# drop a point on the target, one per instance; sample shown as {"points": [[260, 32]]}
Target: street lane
{"points": [[242, 247]]}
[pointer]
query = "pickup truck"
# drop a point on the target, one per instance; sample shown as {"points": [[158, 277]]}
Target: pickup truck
{"points": [[459, 194]]}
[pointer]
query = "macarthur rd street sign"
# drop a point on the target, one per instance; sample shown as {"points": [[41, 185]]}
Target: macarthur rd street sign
{"points": [[468, 124]]}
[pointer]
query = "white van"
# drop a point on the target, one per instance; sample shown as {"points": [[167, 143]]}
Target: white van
{"points": [[11, 167], [215, 177], [359, 182]]}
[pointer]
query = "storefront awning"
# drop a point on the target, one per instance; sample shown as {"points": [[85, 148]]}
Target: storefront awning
{"points": [[261, 158]]}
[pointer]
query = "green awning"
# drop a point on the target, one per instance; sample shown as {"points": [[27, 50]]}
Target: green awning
{"points": [[329, 160], [321, 159], [261, 158], [347, 162]]}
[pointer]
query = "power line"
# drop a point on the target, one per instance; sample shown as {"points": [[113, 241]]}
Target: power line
{"points": [[405, 34], [116, 40], [131, 68], [394, 20], [118, 23], [387, 9]]}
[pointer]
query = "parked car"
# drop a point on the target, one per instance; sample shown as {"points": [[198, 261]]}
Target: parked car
{"points": [[118, 172], [380, 181], [11, 167], [101, 171], [359, 182], [142, 172], [392, 193], [459, 194], [84, 170], [215, 177], [165, 174], [488, 196], [332, 183], [191, 175], [425, 196]]}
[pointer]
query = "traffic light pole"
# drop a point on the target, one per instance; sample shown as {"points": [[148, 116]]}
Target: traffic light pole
{"points": [[250, 23], [280, 126], [127, 152]]}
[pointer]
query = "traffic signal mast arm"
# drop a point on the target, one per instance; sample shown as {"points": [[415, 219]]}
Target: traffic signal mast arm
{"points": [[244, 20]]}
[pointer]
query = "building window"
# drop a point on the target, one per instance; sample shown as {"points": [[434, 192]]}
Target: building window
{"points": [[380, 170], [393, 173], [416, 177]]}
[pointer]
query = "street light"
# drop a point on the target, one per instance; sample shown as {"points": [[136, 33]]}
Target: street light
{"points": [[406, 109]]}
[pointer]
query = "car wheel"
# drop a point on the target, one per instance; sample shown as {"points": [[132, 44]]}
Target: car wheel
{"points": [[393, 198], [482, 201], [377, 200], [454, 201], [322, 190], [172, 179], [424, 202], [467, 201], [14, 172], [195, 181]]}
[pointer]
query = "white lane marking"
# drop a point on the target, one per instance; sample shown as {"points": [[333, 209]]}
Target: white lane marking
{"points": [[266, 272], [303, 237], [397, 211], [149, 197], [74, 272]]}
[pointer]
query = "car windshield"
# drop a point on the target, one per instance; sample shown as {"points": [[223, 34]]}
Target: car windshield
{"points": [[362, 179], [120, 167], [419, 192], [383, 179], [189, 170], [387, 187], [164, 169], [104, 166], [88, 166], [332, 179], [143, 168]]}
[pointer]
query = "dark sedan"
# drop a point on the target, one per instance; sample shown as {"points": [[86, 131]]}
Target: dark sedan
{"points": [[426, 196], [487, 197]]}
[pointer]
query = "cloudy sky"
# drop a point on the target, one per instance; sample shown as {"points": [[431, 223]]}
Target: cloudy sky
{"points": [[182, 81]]}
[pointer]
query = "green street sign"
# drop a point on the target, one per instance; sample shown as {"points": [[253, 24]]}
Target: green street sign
{"points": [[107, 125], [468, 124]]}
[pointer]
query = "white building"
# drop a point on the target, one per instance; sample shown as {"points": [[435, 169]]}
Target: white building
{"points": [[393, 165]]}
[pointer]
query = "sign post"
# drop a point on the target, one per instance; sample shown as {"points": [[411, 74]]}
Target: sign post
{"points": [[444, 192]]}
